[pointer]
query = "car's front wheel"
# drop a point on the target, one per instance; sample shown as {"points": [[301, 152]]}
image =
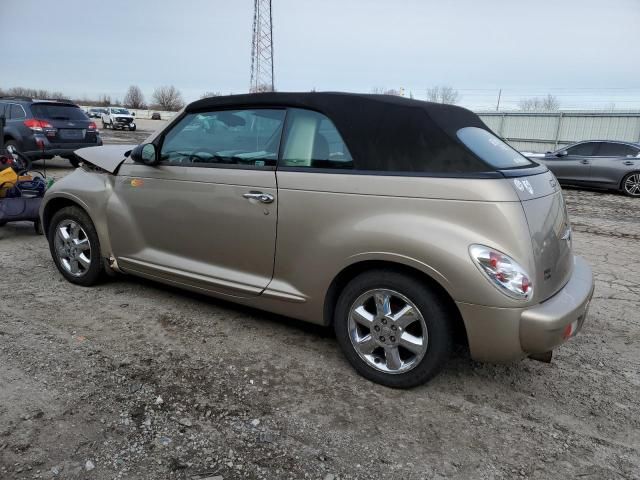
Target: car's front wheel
{"points": [[74, 246], [631, 184], [393, 329]]}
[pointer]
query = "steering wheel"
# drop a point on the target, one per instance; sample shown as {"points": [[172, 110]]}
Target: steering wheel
{"points": [[195, 157]]}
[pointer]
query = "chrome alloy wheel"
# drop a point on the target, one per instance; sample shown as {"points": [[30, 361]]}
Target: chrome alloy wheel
{"points": [[388, 331], [73, 248], [632, 184]]}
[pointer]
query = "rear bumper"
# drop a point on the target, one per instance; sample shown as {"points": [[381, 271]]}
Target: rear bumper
{"points": [[51, 150], [547, 325], [503, 334]]}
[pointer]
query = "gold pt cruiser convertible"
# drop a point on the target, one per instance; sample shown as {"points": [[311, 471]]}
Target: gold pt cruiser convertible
{"points": [[405, 225]]}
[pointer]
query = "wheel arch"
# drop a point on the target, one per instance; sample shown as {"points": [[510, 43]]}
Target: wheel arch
{"points": [[351, 271], [56, 204], [624, 177], [10, 137]]}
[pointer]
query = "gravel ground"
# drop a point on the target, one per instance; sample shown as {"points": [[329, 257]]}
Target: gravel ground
{"points": [[135, 380]]}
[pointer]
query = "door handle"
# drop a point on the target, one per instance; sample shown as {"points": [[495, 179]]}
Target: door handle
{"points": [[260, 196], [628, 162], [584, 162]]}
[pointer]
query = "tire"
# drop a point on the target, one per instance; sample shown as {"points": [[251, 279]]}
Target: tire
{"points": [[104, 125], [75, 162], [133, 129], [631, 184], [432, 325], [86, 275], [26, 162]]}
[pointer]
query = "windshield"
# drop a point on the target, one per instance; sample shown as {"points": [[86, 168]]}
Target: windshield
{"points": [[122, 111], [491, 149], [57, 112]]}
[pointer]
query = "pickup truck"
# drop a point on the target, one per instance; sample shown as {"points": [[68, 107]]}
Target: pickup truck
{"points": [[117, 117]]}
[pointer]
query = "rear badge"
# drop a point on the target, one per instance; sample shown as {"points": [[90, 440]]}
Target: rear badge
{"points": [[523, 185], [137, 182]]}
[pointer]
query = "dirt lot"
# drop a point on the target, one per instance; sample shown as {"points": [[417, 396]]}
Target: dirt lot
{"points": [[135, 380]]}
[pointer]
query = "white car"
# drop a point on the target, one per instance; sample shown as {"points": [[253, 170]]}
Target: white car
{"points": [[118, 117]]}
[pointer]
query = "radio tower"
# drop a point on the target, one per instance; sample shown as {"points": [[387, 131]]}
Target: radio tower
{"points": [[262, 48]]}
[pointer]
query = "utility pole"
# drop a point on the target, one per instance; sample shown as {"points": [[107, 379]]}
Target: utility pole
{"points": [[262, 48], [498, 104]]}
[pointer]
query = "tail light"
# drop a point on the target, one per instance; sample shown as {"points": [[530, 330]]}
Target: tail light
{"points": [[37, 125], [503, 271], [92, 126]]}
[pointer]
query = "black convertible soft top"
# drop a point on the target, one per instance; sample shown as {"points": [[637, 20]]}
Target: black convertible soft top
{"points": [[383, 132]]}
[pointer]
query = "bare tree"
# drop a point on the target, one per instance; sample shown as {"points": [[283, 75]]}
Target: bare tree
{"points": [[443, 94], [168, 98], [385, 91], [103, 101], [210, 94], [35, 93], [540, 104], [134, 98]]}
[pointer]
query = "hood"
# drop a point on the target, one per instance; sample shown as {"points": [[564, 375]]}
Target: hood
{"points": [[108, 157]]}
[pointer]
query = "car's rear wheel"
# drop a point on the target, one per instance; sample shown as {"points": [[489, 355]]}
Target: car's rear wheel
{"points": [[104, 125], [74, 161], [74, 246], [393, 329], [631, 184]]}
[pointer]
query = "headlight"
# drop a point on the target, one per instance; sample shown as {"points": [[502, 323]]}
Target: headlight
{"points": [[503, 271]]}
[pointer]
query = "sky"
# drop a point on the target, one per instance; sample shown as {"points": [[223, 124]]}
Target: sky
{"points": [[585, 52]]}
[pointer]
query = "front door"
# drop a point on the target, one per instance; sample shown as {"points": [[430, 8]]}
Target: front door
{"points": [[206, 216]]}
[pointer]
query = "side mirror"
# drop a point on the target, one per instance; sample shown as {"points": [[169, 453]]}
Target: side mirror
{"points": [[563, 153], [145, 153], [133, 114]]}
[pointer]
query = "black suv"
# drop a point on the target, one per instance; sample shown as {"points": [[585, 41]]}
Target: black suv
{"points": [[46, 128]]}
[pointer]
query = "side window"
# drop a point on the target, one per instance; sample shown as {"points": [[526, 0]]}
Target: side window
{"points": [[17, 112], [583, 149], [312, 141], [228, 137], [616, 150]]}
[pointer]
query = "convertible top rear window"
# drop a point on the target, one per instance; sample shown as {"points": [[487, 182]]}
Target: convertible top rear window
{"points": [[491, 149]]}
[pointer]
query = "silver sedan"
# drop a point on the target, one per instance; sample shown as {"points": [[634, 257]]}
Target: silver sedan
{"points": [[600, 164]]}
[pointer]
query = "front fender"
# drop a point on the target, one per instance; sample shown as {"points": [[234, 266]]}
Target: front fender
{"points": [[90, 191]]}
